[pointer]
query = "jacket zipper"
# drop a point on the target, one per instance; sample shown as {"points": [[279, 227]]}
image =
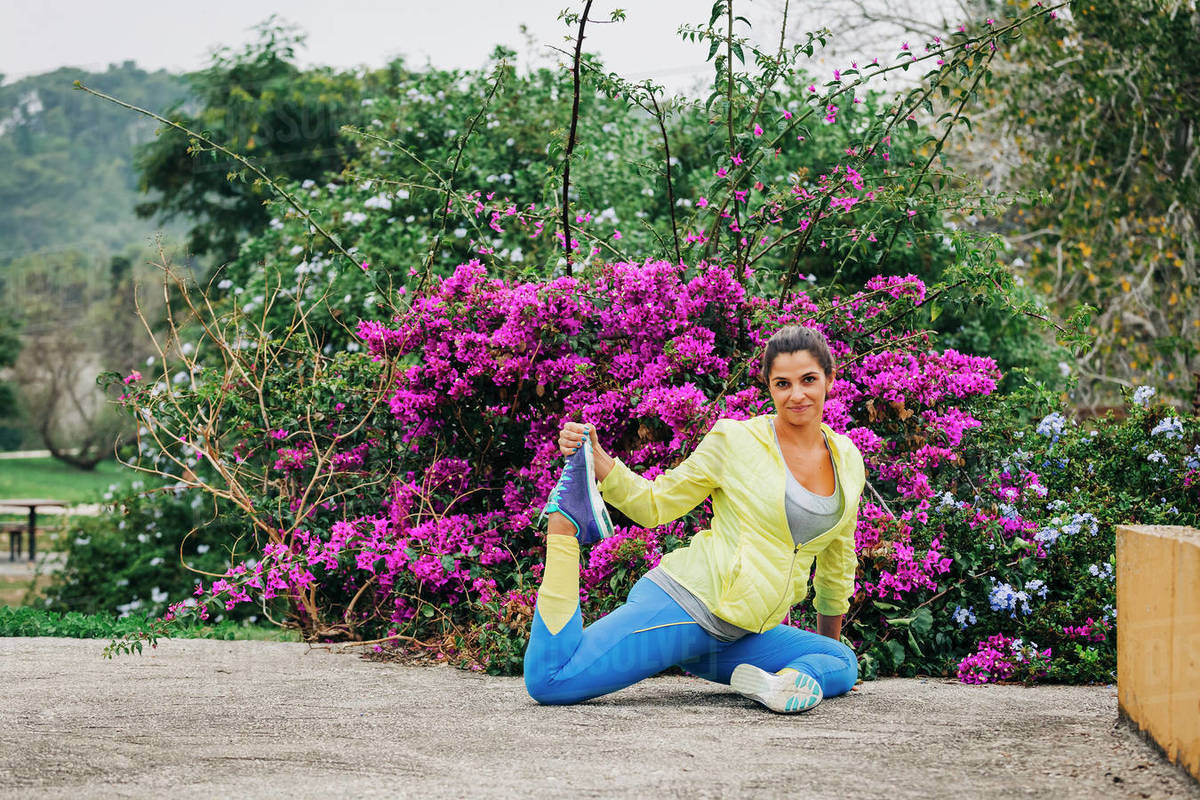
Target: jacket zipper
{"points": [[787, 588], [787, 584]]}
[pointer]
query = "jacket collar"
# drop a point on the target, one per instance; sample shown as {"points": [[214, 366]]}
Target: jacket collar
{"points": [[764, 432]]}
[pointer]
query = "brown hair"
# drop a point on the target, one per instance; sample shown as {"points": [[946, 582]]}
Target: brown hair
{"points": [[794, 338]]}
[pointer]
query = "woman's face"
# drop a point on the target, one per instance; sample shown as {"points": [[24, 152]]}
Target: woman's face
{"points": [[798, 387]]}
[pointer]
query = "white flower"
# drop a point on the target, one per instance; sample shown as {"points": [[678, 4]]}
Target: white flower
{"points": [[1052, 425], [1193, 461], [1156, 458], [964, 616], [225, 284], [1142, 394], [378, 201], [1047, 535], [1171, 427]]}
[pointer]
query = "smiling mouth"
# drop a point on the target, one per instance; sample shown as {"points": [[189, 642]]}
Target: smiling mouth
{"points": [[799, 409]]}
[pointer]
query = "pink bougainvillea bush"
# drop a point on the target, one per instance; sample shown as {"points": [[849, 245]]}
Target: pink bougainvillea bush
{"points": [[393, 492], [470, 388]]}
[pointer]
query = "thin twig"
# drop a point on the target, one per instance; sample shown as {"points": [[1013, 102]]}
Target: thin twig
{"points": [[566, 203]]}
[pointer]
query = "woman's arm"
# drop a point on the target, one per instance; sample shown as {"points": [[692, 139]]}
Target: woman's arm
{"points": [[669, 496], [830, 626], [833, 581]]}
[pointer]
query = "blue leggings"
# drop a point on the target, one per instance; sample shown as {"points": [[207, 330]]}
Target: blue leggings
{"points": [[650, 633]]}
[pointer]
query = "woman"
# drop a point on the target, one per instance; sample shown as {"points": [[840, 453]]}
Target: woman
{"points": [[785, 491]]}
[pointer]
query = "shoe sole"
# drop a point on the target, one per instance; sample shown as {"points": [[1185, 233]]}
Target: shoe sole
{"points": [[780, 693], [599, 512]]}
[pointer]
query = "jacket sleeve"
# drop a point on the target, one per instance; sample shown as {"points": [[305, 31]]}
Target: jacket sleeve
{"points": [[833, 583], [677, 491]]}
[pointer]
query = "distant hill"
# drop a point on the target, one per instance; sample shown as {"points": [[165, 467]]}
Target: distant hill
{"points": [[67, 180]]}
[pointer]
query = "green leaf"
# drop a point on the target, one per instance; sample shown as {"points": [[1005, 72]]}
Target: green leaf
{"points": [[896, 651], [717, 10], [922, 621]]}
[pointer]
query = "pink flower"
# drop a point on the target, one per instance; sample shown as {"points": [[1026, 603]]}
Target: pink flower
{"points": [[722, 172], [837, 75], [737, 160], [616, 234], [787, 115], [758, 131], [364, 266], [132, 377], [702, 202]]}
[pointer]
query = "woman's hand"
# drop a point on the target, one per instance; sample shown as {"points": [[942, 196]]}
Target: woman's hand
{"points": [[570, 439]]}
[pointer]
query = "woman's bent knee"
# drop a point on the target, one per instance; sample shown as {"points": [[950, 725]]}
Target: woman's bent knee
{"points": [[548, 692]]}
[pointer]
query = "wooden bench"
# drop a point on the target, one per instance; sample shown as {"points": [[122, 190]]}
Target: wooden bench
{"points": [[32, 507], [14, 531]]}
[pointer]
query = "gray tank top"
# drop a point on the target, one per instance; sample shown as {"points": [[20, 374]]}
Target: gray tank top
{"points": [[809, 514]]}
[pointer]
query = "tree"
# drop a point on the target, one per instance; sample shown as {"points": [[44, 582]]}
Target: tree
{"points": [[259, 103], [64, 156], [10, 348], [1110, 134], [78, 321]]}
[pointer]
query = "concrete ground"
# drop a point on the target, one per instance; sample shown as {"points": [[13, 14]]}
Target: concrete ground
{"points": [[268, 719]]}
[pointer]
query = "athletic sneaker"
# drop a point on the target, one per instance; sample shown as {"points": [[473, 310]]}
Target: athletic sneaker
{"points": [[577, 497], [786, 691]]}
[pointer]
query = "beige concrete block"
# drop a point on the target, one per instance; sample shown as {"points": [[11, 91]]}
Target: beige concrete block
{"points": [[1158, 637], [1145, 615], [1185, 673]]}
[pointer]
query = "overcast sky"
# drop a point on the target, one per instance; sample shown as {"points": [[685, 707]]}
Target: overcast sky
{"points": [[41, 35]]}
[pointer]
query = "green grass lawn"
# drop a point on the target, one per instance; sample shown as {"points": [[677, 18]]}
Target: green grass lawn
{"points": [[52, 479]]}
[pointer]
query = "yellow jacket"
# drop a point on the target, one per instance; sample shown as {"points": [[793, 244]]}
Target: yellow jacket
{"points": [[745, 569]]}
